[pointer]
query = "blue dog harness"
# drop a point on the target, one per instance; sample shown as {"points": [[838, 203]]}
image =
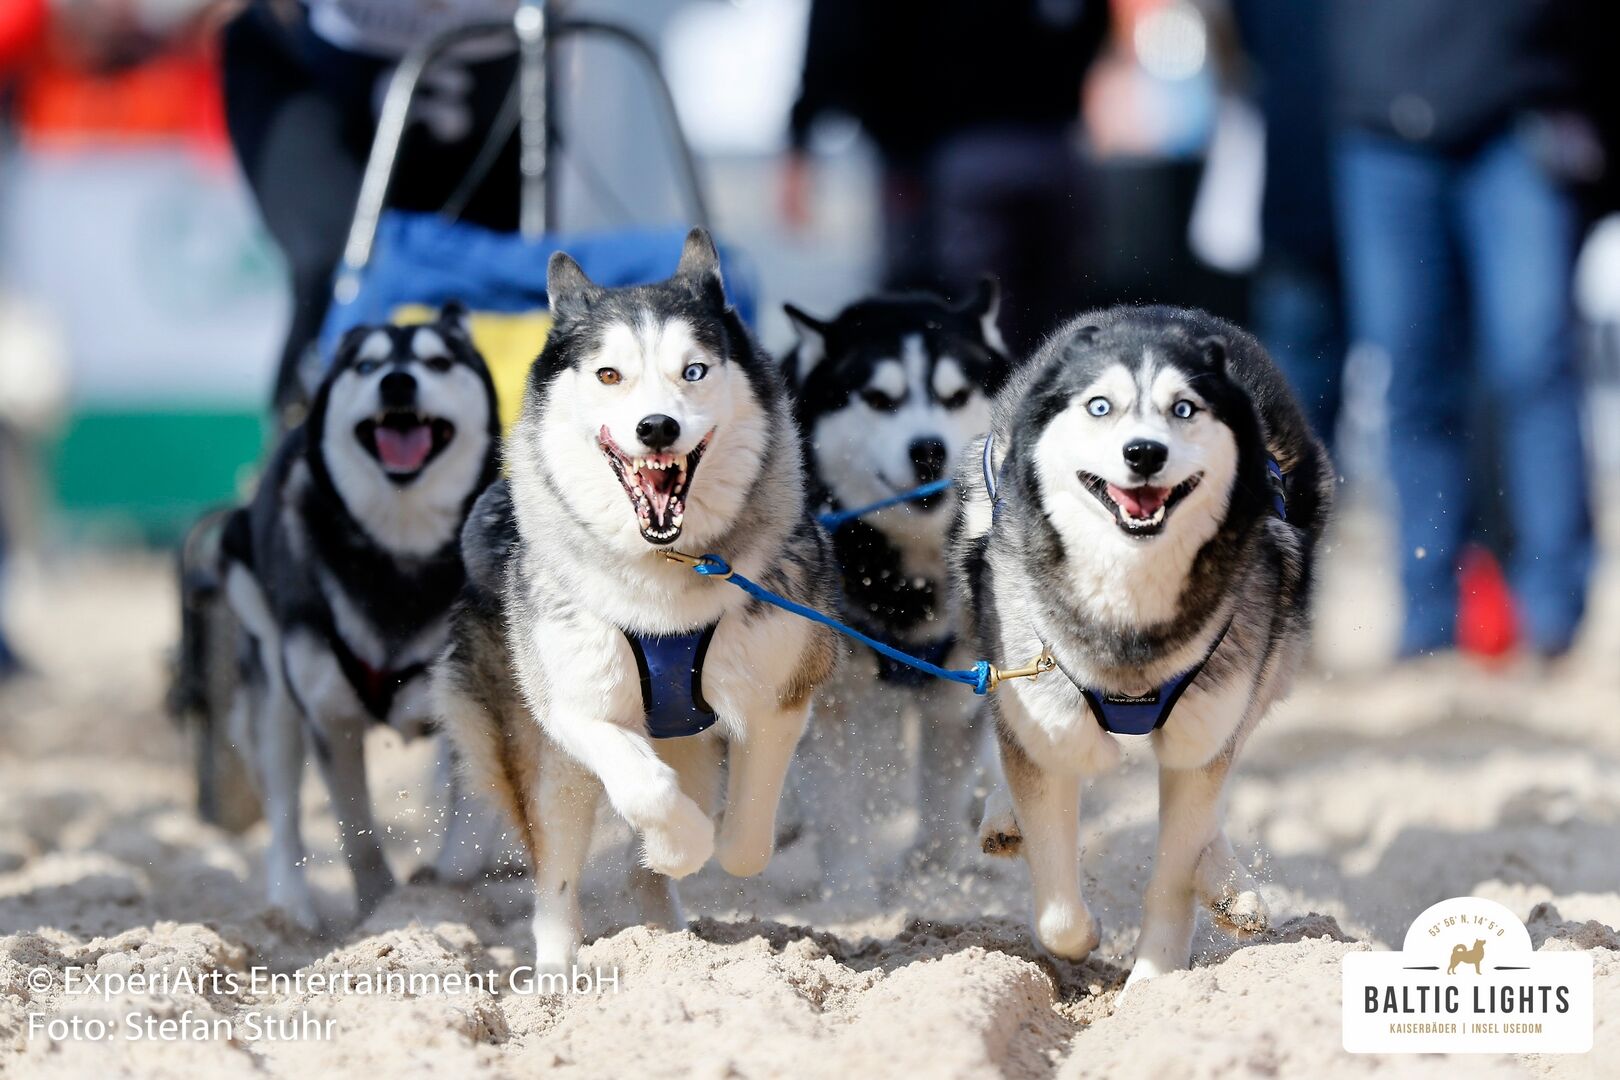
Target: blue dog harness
{"points": [[1143, 714], [671, 669]]}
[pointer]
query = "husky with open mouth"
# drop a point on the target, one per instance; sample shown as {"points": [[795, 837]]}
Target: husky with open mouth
{"points": [[1145, 510], [584, 662], [342, 572], [889, 394]]}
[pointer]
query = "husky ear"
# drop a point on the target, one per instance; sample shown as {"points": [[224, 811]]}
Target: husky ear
{"points": [[455, 318], [812, 347], [568, 290], [699, 268], [349, 344], [1213, 350], [985, 304]]}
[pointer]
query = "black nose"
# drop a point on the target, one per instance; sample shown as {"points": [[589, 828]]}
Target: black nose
{"points": [[928, 459], [1145, 456], [398, 390], [658, 432]]}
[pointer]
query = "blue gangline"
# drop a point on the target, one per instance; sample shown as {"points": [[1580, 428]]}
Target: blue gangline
{"points": [[978, 676], [837, 519]]}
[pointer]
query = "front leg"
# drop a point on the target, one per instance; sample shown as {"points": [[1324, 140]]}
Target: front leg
{"points": [[760, 752], [1190, 803], [1047, 806], [341, 754]]}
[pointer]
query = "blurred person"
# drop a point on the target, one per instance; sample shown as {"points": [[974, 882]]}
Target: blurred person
{"points": [[972, 109], [303, 84], [1296, 300], [1460, 125]]}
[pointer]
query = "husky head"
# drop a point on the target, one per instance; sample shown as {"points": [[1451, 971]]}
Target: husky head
{"points": [[647, 413], [404, 428], [892, 389], [1144, 438]]}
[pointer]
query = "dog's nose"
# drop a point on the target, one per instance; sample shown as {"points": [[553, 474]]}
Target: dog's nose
{"points": [[397, 390], [1145, 456], [928, 458], [658, 432]]}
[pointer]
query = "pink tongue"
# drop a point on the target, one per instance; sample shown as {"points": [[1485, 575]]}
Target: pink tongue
{"points": [[405, 450], [1140, 502]]}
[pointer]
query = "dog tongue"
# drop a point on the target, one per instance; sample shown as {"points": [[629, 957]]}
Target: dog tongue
{"points": [[403, 450], [1139, 502]]}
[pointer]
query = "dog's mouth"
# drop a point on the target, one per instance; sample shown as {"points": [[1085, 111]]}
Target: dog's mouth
{"points": [[1140, 511], [404, 442], [657, 485]]}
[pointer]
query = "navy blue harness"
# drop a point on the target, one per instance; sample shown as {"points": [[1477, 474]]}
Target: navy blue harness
{"points": [[1127, 714], [671, 669]]}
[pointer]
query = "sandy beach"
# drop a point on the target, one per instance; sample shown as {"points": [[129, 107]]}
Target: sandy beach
{"points": [[1370, 796]]}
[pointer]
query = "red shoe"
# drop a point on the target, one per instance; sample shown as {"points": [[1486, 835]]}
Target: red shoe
{"points": [[1487, 624]]}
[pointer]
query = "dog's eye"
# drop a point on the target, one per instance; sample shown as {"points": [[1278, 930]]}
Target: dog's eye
{"points": [[1184, 410], [366, 367], [880, 401], [608, 376], [695, 371], [441, 364], [1099, 406], [958, 399]]}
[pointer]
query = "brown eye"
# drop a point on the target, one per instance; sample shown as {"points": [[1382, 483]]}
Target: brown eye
{"points": [[608, 376]]}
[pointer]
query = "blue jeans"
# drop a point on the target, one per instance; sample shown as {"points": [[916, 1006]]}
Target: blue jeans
{"points": [[1428, 240], [1296, 312]]}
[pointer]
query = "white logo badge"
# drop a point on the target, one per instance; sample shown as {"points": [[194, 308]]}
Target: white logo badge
{"points": [[1466, 981]]}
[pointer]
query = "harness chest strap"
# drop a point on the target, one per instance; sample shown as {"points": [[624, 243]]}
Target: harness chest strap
{"points": [[671, 671], [375, 687]]}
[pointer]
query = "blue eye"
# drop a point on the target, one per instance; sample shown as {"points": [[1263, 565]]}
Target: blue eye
{"points": [[366, 367], [1184, 409], [694, 372], [1098, 406]]}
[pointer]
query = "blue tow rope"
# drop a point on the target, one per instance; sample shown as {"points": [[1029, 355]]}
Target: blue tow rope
{"points": [[837, 519], [983, 676]]}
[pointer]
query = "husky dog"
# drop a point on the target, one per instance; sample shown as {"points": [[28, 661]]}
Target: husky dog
{"points": [[343, 570], [1145, 512], [889, 394], [584, 661]]}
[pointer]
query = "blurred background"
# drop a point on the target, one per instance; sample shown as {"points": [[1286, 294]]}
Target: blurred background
{"points": [[1411, 202], [1408, 202]]}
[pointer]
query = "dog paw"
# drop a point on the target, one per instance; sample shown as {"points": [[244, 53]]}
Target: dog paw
{"points": [[681, 843], [370, 890], [555, 946], [1243, 912], [999, 834], [1067, 931], [296, 904]]}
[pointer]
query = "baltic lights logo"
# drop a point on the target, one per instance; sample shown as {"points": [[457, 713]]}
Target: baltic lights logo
{"points": [[1466, 981]]}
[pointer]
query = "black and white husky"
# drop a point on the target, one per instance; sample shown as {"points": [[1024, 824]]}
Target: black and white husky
{"points": [[583, 661], [343, 570], [1146, 510], [889, 394]]}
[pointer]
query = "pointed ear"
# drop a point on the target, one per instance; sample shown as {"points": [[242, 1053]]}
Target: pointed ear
{"points": [[699, 268], [812, 347], [455, 318], [348, 344], [1214, 350], [985, 303], [568, 290]]}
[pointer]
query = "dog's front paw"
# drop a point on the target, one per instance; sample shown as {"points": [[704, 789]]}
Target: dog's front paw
{"points": [[1067, 930], [681, 843], [292, 897], [998, 832], [1243, 912]]}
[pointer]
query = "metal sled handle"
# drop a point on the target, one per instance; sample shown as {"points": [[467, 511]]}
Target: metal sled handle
{"points": [[537, 211]]}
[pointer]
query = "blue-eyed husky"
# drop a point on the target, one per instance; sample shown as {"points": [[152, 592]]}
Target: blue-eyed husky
{"points": [[1146, 510]]}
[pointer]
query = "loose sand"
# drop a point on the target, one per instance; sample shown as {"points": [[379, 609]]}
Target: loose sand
{"points": [[1366, 799]]}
